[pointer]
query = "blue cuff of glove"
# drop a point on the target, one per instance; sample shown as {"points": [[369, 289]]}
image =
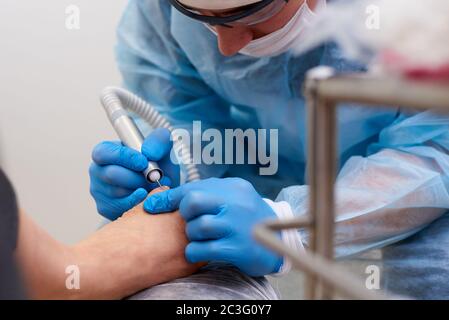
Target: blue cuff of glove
{"points": [[291, 238]]}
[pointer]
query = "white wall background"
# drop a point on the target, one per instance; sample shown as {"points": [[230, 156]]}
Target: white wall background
{"points": [[50, 117]]}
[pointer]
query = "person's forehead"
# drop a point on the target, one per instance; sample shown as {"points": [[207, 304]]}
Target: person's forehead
{"points": [[217, 5]]}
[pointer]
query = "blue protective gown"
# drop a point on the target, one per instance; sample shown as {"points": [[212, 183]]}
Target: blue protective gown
{"points": [[394, 166]]}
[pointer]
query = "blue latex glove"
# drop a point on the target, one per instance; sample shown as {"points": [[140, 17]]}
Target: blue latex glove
{"points": [[116, 176], [221, 215]]}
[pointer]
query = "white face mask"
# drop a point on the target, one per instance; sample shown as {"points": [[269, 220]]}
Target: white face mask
{"points": [[283, 39]]}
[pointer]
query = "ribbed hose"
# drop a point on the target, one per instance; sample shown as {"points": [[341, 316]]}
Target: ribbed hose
{"points": [[118, 97]]}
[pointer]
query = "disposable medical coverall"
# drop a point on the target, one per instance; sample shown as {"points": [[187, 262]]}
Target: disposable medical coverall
{"points": [[394, 166]]}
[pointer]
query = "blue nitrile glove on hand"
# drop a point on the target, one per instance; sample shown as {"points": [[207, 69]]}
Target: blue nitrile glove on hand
{"points": [[116, 175], [221, 215]]}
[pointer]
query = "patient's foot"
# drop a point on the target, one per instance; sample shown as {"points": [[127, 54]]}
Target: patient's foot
{"points": [[139, 250]]}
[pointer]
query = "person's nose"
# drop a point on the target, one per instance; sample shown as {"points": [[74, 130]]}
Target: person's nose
{"points": [[232, 40]]}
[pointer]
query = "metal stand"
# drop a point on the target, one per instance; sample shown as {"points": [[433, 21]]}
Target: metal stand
{"points": [[325, 91]]}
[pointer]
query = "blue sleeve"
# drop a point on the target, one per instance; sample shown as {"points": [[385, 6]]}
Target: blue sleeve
{"points": [[394, 192]]}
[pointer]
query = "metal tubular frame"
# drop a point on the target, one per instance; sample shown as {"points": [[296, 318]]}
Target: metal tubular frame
{"points": [[325, 91]]}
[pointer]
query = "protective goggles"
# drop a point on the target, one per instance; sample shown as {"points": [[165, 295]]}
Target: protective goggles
{"points": [[247, 15]]}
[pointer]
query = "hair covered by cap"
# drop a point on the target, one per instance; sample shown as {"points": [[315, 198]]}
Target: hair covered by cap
{"points": [[217, 4]]}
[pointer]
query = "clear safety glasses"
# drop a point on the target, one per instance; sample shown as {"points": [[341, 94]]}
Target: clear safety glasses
{"points": [[247, 15]]}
